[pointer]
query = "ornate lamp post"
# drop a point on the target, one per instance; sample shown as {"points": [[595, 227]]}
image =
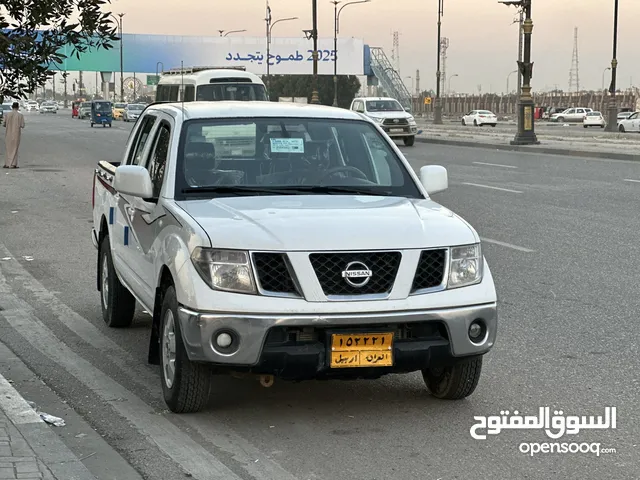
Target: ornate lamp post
{"points": [[336, 30], [526, 133], [315, 98], [269, 29], [612, 121], [230, 32]]}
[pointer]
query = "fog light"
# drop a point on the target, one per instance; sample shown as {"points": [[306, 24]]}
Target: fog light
{"points": [[477, 331], [224, 340]]}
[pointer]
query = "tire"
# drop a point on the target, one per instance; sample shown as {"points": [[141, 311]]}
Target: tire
{"points": [[454, 382], [621, 129], [118, 305], [91, 124], [560, 119], [585, 126], [409, 141], [493, 124], [189, 388], [475, 123], [464, 124]]}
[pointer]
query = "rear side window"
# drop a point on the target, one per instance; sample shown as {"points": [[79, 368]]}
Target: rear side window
{"points": [[142, 135]]}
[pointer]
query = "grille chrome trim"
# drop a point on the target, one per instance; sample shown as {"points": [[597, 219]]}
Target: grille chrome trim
{"points": [[445, 273], [290, 271]]}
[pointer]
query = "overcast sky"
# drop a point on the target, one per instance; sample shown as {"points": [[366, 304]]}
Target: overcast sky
{"points": [[483, 40]]}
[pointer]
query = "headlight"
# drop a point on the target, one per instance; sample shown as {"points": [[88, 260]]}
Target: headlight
{"points": [[465, 265], [411, 119], [227, 270], [377, 119]]}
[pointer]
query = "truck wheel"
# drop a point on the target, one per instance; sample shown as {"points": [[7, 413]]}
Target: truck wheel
{"points": [[185, 385], [118, 305], [453, 382], [409, 141]]}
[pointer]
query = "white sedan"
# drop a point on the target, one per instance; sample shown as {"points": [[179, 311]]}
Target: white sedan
{"points": [[480, 118], [593, 119], [630, 124]]}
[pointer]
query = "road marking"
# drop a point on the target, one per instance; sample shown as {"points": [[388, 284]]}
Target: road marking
{"points": [[508, 245], [14, 406], [631, 180], [211, 430], [492, 188], [495, 165]]}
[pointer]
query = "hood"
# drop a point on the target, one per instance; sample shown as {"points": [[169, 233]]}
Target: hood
{"points": [[328, 222]]}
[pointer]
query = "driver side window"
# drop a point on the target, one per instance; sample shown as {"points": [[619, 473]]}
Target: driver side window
{"points": [[140, 141]]}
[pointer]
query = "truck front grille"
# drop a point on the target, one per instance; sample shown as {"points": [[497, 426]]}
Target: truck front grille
{"points": [[273, 273], [330, 268], [430, 271], [392, 121]]}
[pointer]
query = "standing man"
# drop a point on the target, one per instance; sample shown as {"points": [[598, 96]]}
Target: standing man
{"points": [[14, 123]]}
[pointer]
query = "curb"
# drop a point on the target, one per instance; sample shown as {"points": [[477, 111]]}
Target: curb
{"points": [[45, 443], [532, 149]]}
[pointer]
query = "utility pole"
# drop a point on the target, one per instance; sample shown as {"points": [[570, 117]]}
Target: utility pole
{"points": [[64, 76], [120, 15], [314, 93], [437, 108], [612, 123]]}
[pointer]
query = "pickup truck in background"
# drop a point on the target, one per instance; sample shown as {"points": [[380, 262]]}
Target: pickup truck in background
{"points": [[287, 241]]}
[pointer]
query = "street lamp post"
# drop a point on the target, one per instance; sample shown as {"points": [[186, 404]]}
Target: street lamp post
{"points": [[314, 34], [157, 69], [437, 108], [336, 30], [603, 72], [526, 133], [230, 32], [613, 107], [121, 55], [269, 29], [449, 86], [508, 76]]}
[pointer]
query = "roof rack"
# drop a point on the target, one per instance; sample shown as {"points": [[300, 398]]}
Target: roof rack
{"points": [[188, 70]]}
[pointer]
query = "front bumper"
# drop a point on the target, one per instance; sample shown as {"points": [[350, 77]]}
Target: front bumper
{"points": [[400, 131], [260, 351]]}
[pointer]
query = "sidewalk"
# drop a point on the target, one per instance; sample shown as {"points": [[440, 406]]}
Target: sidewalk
{"points": [[29, 449], [614, 147]]}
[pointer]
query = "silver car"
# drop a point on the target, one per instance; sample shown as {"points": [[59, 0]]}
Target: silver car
{"points": [[132, 112], [49, 107]]}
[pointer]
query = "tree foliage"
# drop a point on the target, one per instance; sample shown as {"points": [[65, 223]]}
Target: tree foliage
{"points": [[300, 86], [34, 32]]}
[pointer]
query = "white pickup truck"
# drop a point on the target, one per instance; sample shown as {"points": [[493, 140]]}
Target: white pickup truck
{"points": [[287, 241]]}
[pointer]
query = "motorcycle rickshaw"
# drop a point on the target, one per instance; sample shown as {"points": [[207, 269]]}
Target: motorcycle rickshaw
{"points": [[74, 110], [101, 113]]}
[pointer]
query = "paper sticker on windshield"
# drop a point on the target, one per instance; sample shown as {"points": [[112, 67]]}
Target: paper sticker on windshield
{"points": [[287, 145]]}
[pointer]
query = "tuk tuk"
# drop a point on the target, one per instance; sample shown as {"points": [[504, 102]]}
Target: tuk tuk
{"points": [[101, 113]]}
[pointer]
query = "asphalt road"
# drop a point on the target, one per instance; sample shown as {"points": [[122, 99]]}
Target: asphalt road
{"points": [[559, 233]]}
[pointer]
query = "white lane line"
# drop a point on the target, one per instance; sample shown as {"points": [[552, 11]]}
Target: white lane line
{"points": [[495, 165], [508, 245], [213, 431], [15, 406], [492, 188], [631, 180]]}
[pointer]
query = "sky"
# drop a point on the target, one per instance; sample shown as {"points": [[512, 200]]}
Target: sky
{"points": [[483, 41]]}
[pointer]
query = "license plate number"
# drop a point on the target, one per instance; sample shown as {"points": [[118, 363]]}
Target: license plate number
{"points": [[396, 130], [361, 350]]}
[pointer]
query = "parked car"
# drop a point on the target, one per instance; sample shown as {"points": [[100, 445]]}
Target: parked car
{"points": [[49, 106], [132, 111], [594, 119], [571, 115], [630, 124], [479, 118], [290, 241], [623, 116], [394, 120]]}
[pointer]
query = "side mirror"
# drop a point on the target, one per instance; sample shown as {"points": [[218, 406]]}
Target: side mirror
{"points": [[434, 178], [133, 180]]}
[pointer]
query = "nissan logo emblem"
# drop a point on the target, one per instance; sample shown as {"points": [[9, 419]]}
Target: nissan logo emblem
{"points": [[357, 274]]}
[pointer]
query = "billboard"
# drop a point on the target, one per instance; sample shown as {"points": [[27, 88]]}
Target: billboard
{"points": [[142, 53]]}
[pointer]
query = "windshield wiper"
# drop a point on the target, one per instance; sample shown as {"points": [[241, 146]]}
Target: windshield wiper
{"points": [[239, 190], [340, 190]]}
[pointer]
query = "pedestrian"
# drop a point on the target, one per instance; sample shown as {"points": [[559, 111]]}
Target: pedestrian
{"points": [[14, 123]]}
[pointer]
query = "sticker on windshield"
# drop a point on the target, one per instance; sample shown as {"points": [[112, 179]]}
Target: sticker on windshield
{"points": [[287, 145]]}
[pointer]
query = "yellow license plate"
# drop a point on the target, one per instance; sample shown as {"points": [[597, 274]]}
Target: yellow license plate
{"points": [[361, 350]]}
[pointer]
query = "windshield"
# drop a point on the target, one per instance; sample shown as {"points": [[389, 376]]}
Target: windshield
{"points": [[484, 112], [223, 91], [593, 114], [102, 106], [119, 105], [6, 106], [384, 106], [288, 156], [49, 104], [135, 107]]}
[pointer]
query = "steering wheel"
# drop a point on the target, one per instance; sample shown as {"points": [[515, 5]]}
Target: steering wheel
{"points": [[334, 170]]}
